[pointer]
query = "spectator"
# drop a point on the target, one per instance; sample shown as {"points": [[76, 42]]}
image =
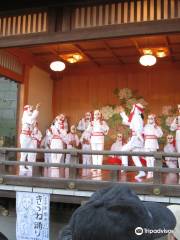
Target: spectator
{"points": [[116, 213], [2, 237], [175, 209]]}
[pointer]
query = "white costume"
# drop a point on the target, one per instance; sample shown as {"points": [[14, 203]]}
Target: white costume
{"points": [[117, 146], [36, 139], [171, 162], [72, 141], [45, 143], [57, 142], [175, 126], [151, 134], [84, 122], [135, 123], [87, 159], [98, 129], [28, 120]]}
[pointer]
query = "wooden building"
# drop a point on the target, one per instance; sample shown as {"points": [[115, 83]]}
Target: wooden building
{"points": [[109, 35]]}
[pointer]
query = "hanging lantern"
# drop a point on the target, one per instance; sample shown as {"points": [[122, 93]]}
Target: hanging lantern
{"points": [[57, 66], [147, 60]]}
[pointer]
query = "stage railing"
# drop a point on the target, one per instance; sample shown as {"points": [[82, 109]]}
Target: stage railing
{"points": [[74, 181]]}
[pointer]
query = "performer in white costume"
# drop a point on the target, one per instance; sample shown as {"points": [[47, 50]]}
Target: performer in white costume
{"points": [[175, 126], [136, 142], [87, 159], [84, 122], [57, 142], [171, 162], [63, 121], [72, 141], [98, 129], [36, 139], [45, 143], [151, 134], [28, 120], [117, 146]]}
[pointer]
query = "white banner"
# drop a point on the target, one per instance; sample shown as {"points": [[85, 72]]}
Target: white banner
{"points": [[32, 210]]}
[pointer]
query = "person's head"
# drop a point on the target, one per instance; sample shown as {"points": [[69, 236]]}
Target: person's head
{"points": [[119, 137], [151, 119], [178, 106], [73, 129], [28, 109], [62, 117], [97, 114], [175, 209], [116, 213], [170, 138], [87, 115], [3, 237]]}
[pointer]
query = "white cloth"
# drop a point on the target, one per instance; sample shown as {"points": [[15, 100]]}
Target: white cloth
{"points": [[69, 139], [28, 121], [136, 142], [117, 146], [57, 142], [151, 135], [83, 124], [175, 126], [171, 162], [36, 139], [98, 129]]}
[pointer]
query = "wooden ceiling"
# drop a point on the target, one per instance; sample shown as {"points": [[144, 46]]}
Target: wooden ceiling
{"points": [[102, 52]]}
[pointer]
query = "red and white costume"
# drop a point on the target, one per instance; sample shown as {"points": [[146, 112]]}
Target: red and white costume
{"points": [[175, 126], [72, 141], [136, 142], [151, 134], [171, 162], [57, 142], [84, 122], [98, 129], [28, 120], [86, 145]]}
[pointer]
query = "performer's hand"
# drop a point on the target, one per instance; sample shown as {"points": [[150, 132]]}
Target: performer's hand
{"points": [[38, 106], [119, 109]]}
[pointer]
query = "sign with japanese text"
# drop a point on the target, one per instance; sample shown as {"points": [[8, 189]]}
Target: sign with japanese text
{"points": [[32, 210]]}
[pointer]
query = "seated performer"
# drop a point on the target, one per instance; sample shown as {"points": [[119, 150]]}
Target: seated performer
{"points": [[171, 162], [98, 129], [28, 120], [151, 134], [86, 159], [116, 146], [136, 142], [84, 122], [72, 141]]}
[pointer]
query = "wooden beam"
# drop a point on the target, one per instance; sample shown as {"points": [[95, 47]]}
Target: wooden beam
{"points": [[86, 54], [169, 48], [10, 74], [113, 53], [26, 58], [110, 31]]}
